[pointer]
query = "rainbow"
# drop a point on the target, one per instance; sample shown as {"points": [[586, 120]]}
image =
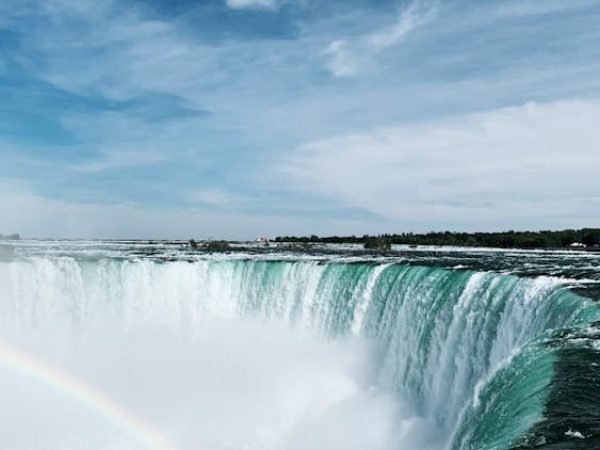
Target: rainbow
{"points": [[67, 385]]}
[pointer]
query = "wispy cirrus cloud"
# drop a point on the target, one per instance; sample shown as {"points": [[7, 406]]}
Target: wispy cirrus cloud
{"points": [[418, 13], [349, 57], [345, 61]]}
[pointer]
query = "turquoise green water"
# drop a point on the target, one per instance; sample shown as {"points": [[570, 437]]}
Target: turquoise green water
{"points": [[469, 351]]}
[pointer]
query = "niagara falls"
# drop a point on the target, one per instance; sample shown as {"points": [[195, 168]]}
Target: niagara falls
{"points": [[299, 225], [106, 345]]}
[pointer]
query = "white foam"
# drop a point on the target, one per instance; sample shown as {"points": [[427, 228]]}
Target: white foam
{"points": [[574, 434]]}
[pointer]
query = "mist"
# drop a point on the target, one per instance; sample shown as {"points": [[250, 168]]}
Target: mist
{"points": [[237, 384]]}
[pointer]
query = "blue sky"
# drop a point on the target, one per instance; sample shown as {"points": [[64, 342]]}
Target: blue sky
{"points": [[238, 118]]}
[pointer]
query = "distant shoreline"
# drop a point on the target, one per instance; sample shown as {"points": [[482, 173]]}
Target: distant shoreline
{"points": [[571, 239], [581, 240], [322, 249]]}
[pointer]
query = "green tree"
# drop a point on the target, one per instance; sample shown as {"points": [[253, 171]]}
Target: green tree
{"points": [[379, 244], [217, 245]]}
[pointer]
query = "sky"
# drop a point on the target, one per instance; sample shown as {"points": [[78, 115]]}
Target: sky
{"points": [[245, 118]]}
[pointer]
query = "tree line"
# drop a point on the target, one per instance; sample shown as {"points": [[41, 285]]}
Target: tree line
{"points": [[590, 237]]}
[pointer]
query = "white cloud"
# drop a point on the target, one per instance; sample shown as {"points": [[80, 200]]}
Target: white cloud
{"points": [[242, 4], [344, 61], [113, 49], [348, 58], [532, 165], [418, 13]]}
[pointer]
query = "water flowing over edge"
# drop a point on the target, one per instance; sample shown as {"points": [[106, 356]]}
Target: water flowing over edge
{"points": [[479, 354]]}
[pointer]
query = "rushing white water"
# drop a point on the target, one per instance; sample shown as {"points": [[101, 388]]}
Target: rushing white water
{"points": [[227, 353]]}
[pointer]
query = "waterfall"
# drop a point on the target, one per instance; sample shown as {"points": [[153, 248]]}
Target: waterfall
{"points": [[468, 352]]}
